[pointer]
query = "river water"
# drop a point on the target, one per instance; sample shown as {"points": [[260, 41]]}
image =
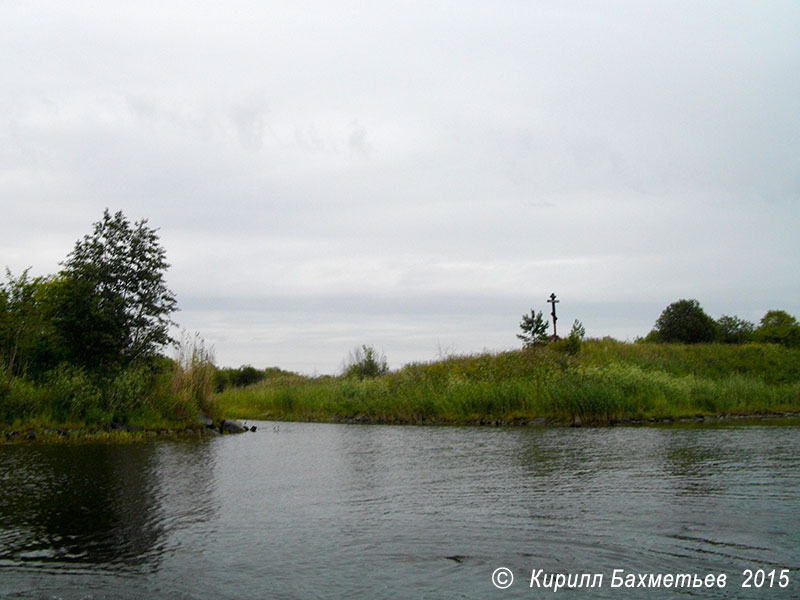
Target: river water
{"points": [[366, 511]]}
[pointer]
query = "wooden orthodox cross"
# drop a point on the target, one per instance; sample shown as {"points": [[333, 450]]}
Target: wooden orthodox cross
{"points": [[553, 301]]}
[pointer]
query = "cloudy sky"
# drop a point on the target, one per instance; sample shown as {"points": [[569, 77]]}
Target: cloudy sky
{"points": [[412, 175]]}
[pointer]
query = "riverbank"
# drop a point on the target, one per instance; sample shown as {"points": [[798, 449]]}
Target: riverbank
{"points": [[201, 427], [773, 418], [157, 396], [604, 382]]}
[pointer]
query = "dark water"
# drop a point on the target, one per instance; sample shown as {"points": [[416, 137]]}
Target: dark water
{"points": [[348, 511]]}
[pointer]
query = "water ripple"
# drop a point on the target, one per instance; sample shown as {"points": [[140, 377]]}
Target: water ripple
{"points": [[327, 511]]}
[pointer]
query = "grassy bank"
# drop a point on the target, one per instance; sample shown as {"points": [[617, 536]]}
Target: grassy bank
{"points": [[159, 395], [604, 382]]}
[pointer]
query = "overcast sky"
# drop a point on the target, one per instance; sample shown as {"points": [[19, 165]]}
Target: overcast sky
{"points": [[413, 175]]}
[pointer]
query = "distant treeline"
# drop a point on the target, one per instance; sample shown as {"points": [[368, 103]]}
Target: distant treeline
{"points": [[686, 322], [226, 377]]}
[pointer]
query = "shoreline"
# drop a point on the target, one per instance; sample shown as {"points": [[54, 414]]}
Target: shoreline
{"points": [[605, 383], [118, 433], [87, 434], [782, 417]]}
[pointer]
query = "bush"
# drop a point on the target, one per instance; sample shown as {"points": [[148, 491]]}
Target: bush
{"points": [[128, 391], [366, 362], [20, 399], [572, 343], [73, 396]]}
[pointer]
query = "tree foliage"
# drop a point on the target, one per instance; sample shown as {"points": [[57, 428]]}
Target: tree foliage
{"points": [[733, 330], [684, 321], [29, 342], [109, 306], [237, 377], [779, 327], [534, 329], [114, 305], [83, 345]]}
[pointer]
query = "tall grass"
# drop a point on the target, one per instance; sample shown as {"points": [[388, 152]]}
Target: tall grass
{"points": [[153, 394], [192, 385], [606, 381]]}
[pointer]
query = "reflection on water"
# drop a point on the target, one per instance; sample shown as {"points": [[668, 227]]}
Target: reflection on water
{"points": [[73, 504], [330, 511], [77, 510]]}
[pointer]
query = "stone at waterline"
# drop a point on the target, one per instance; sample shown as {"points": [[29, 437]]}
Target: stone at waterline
{"points": [[232, 427]]}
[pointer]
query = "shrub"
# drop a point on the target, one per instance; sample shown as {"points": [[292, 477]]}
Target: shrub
{"points": [[20, 399], [74, 396], [572, 343], [129, 391], [366, 362]]}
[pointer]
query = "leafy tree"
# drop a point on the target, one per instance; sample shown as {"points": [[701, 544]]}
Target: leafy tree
{"points": [[534, 329], [733, 330], [684, 321], [114, 305], [779, 327]]}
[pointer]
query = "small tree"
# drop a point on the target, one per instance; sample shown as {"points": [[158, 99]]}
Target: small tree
{"points": [[366, 362], [733, 330], [686, 322], [779, 327], [534, 329], [573, 342], [114, 303]]}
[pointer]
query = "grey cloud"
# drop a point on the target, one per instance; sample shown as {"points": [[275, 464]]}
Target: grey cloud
{"points": [[358, 139], [250, 119], [403, 173]]}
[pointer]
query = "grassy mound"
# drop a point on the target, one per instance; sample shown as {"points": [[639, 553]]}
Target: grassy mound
{"points": [[604, 381]]}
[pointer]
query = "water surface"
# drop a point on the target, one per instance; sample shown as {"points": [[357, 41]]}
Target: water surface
{"points": [[349, 511]]}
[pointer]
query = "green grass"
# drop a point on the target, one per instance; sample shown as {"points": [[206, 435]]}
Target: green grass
{"points": [[156, 395], [607, 381]]}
